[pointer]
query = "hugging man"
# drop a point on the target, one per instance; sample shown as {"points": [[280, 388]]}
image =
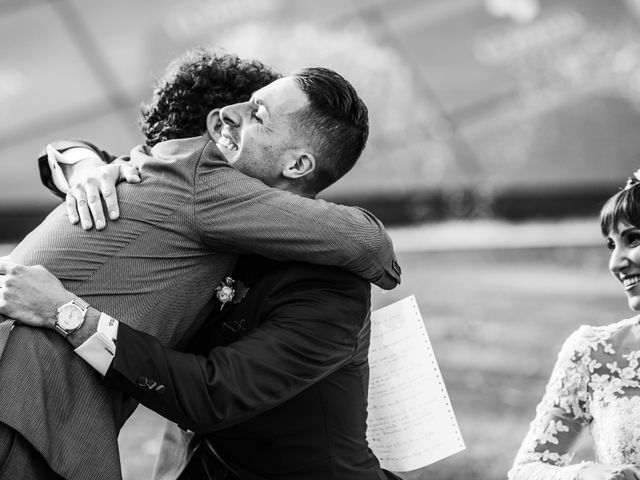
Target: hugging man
{"points": [[155, 269]]}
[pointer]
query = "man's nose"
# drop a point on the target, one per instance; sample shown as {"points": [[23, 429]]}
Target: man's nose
{"points": [[232, 114]]}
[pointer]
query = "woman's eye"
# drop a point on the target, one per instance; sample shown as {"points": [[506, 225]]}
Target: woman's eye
{"points": [[256, 117], [610, 244], [633, 239]]}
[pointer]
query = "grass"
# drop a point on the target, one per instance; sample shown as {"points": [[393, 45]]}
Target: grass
{"points": [[496, 320]]}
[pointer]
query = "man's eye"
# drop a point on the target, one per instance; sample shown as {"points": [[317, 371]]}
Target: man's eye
{"points": [[610, 244]]}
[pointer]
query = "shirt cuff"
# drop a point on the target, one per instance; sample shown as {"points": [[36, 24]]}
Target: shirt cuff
{"points": [[68, 157], [100, 348]]}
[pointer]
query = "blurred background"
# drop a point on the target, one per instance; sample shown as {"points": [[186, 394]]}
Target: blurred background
{"points": [[498, 128]]}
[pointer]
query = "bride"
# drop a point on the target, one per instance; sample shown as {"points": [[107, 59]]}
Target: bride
{"points": [[596, 380]]}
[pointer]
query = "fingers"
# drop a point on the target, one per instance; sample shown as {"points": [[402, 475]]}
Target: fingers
{"points": [[95, 204], [84, 201], [129, 174], [78, 208], [72, 208], [108, 186]]}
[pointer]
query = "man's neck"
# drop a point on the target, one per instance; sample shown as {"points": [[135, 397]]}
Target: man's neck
{"points": [[288, 186]]}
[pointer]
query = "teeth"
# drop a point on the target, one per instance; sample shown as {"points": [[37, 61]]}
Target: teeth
{"points": [[629, 282], [227, 143]]}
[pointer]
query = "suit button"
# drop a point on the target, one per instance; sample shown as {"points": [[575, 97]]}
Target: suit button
{"points": [[142, 381], [160, 390]]}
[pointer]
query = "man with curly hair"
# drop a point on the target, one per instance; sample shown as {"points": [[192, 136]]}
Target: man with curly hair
{"points": [[194, 85], [251, 381]]}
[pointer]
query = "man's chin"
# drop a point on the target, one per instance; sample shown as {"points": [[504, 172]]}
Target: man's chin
{"points": [[231, 156]]}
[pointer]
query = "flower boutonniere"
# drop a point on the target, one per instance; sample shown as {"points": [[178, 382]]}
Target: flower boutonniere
{"points": [[230, 290]]}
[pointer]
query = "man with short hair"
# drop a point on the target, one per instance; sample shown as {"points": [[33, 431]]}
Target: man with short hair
{"points": [[323, 131], [192, 167]]}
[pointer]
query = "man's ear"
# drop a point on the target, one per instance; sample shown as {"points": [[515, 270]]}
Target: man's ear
{"points": [[300, 164], [214, 123]]}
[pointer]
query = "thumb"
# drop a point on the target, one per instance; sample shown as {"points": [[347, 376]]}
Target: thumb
{"points": [[54, 154], [5, 264], [129, 174]]}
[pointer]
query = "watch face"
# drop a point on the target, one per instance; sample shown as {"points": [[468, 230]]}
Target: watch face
{"points": [[69, 317]]}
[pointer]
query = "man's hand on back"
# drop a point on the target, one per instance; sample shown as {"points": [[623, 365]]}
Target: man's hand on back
{"points": [[91, 182]]}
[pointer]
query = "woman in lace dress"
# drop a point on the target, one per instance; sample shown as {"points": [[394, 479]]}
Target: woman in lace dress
{"points": [[595, 383]]}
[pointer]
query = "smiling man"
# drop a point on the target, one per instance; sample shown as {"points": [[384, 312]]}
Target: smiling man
{"points": [[280, 122], [155, 269]]}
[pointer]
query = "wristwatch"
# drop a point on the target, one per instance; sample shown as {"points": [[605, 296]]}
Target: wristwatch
{"points": [[71, 316]]}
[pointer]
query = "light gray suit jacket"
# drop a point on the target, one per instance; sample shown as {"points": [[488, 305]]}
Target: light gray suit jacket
{"points": [[155, 269]]}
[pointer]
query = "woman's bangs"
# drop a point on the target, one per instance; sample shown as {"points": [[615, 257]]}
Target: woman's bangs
{"points": [[622, 207]]}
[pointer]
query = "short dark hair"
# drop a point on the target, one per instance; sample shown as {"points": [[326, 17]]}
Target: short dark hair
{"points": [[624, 206], [335, 123], [194, 84]]}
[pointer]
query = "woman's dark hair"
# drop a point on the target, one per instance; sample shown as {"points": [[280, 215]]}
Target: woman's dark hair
{"points": [[194, 84], [624, 206]]}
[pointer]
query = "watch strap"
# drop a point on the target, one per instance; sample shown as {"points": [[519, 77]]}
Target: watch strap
{"points": [[79, 303]]}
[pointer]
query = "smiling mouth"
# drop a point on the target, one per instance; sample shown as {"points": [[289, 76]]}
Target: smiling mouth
{"points": [[223, 141], [631, 281]]}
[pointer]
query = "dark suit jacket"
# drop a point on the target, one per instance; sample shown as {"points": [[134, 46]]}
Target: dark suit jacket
{"points": [[277, 383]]}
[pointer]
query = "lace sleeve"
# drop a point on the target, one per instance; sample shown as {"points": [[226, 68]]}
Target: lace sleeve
{"points": [[547, 449]]}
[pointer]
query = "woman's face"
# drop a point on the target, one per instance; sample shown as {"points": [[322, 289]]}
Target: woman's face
{"points": [[624, 263]]}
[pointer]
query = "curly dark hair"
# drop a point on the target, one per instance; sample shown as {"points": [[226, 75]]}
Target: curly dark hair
{"points": [[194, 84]]}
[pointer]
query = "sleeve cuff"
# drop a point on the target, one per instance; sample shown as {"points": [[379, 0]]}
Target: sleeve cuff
{"points": [[69, 157], [100, 348]]}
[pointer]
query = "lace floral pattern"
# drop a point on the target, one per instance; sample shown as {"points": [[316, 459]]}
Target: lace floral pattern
{"points": [[596, 384]]}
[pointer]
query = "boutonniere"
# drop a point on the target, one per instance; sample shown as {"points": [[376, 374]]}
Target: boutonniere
{"points": [[230, 290]]}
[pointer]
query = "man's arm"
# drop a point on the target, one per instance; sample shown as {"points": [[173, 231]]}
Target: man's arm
{"points": [[301, 342], [241, 214], [312, 329], [237, 213]]}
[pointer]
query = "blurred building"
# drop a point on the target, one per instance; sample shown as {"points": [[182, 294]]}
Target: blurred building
{"points": [[508, 108]]}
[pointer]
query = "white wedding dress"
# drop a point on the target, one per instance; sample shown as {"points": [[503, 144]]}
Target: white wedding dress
{"points": [[595, 383]]}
